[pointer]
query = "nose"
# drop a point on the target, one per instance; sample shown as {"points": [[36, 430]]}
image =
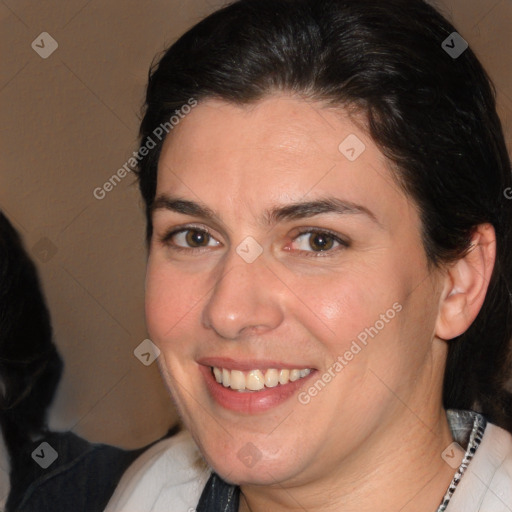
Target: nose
{"points": [[244, 300]]}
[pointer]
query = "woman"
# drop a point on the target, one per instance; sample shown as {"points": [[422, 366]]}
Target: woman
{"points": [[330, 259]]}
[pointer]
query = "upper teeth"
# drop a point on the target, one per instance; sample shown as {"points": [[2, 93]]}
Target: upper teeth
{"points": [[255, 380]]}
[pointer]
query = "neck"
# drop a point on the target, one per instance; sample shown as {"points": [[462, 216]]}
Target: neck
{"points": [[407, 475]]}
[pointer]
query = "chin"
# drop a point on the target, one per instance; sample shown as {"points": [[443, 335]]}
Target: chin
{"points": [[241, 462]]}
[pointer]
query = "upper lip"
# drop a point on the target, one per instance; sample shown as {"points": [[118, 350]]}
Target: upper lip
{"points": [[249, 364]]}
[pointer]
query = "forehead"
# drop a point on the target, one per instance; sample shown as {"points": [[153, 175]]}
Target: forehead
{"points": [[283, 125], [276, 150]]}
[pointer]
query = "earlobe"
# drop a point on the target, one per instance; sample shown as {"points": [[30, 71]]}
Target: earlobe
{"points": [[466, 283]]}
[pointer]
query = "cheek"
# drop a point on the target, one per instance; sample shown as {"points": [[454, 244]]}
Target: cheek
{"points": [[337, 308], [171, 299]]}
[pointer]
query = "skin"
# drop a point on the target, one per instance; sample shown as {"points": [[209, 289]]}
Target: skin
{"points": [[372, 438]]}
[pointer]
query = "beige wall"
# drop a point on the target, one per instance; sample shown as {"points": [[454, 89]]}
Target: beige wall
{"points": [[68, 123]]}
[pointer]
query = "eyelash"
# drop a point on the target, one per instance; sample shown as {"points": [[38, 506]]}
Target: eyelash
{"points": [[343, 244], [167, 238]]}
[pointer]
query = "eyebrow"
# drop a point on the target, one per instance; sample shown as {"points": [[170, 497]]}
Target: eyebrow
{"points": [[292, 211]]}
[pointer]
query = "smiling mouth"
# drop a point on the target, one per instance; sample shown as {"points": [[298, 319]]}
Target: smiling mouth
{"points": [[257, 380]]}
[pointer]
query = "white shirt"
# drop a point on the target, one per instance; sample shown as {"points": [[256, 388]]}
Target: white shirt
{"points": [[168, 477], [486, 485], [171, 475]]}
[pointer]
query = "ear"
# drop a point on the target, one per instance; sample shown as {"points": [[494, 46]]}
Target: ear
{"points": [[465, 285]]}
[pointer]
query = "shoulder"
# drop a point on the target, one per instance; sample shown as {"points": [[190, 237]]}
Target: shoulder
{"points": [[487, 482], [66, 483], [169, 476]]}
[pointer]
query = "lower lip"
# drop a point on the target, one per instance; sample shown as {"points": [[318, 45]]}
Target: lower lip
{"points": [[251, 402]]}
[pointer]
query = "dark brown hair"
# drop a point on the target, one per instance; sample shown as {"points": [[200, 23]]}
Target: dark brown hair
{"points": [[30, 366]]}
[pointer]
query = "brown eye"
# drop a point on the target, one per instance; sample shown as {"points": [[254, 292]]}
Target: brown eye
{"points": [[317, 241], [195, 238], [320, 241], [190, 238]]}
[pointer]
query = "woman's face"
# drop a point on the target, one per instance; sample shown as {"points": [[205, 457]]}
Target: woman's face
{"points": [[282, 243]]}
